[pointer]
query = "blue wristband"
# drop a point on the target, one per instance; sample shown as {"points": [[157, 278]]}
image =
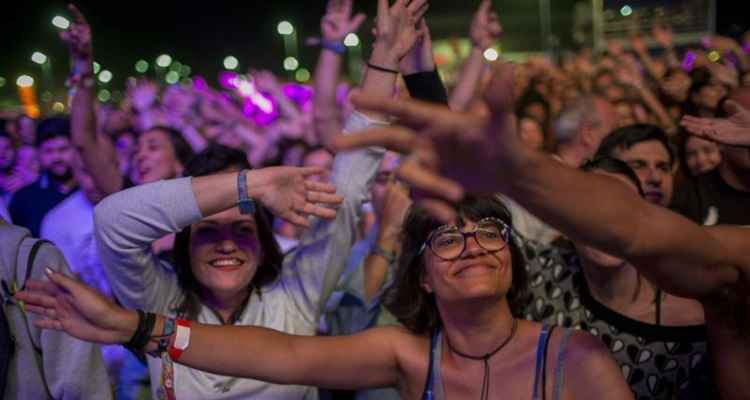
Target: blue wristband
{"points": [[336, 47], [245, 203]]}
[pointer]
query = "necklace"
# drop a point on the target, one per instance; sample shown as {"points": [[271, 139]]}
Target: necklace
{"points": [[485, 358]]}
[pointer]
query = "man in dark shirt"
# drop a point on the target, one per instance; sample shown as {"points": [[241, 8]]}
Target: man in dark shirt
{"points": [[722, 196], [30, 204]]}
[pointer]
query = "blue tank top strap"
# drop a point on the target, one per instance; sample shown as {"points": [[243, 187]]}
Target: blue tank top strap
{"points": [[540, 347], [433, 367], [560, 362]]}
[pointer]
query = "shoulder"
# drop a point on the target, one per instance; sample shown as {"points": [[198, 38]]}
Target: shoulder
{"points": [[585, 358]]}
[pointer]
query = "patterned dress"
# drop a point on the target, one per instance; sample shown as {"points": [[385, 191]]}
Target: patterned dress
{"points": [[658, 362]]}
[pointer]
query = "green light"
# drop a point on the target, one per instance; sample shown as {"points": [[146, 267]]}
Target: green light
{"points": [[302, 75], [39, 58], [626, 10], [97, 67], [172, 77], [46, 97], [176, 65], [291, 63], [351, 40], [25, 81], [2, 81], [164, 60], [231, 62], [141, 66], [285, 28], [104, 95], [185, 70], [105, 76], [60, 22]]}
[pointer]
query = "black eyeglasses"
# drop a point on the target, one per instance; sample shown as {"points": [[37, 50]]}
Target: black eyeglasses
{"points": [[448, 242]]}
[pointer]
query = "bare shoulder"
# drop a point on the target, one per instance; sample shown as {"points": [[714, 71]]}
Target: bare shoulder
{"points": [[590, 370]]}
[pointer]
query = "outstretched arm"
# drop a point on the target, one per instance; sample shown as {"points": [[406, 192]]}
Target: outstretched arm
{"points": [[97, 151], [335, 362], [676, 254]]}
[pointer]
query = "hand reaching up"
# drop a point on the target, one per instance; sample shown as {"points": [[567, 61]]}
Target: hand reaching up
{"points": [[78, 37], [338, 21], [734, 131]]}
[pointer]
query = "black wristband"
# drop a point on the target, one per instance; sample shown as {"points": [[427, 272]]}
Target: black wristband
{"points": [[142, 333], [382, 69], [426, 86]]}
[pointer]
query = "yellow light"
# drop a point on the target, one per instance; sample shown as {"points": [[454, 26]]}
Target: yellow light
{"points": [[714, 56], [302, 75], [58, 107]]}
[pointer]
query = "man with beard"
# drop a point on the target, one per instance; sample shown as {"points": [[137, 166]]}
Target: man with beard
{"points": [[31, 203]]}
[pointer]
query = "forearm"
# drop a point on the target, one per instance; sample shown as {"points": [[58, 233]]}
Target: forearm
{"points": [[648, 62], [468, 81], [378, 83], [98, 152], [325, 113], [676, 254], [376, 265], [658, 109]]}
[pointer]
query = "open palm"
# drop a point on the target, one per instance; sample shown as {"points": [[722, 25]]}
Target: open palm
{"points": [[734, 130]]}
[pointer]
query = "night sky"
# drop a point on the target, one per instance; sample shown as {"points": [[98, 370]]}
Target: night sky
{"points": [[202, 34]]}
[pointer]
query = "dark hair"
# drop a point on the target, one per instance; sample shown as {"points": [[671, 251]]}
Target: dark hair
{"points": [[408, 301], [182, 149], [628, 136], [613, 166], [214, 159], [51, 128]]}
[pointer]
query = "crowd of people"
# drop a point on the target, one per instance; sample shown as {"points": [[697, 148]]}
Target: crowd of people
{"points": [[568, 228]]}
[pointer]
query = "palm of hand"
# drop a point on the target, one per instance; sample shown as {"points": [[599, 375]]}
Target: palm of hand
{"points": [[335, 26], [286, 190], [397, 30]]}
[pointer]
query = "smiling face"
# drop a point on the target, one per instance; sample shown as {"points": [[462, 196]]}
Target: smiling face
{"points": [[225, 253], [476, 274], [701, 155]]}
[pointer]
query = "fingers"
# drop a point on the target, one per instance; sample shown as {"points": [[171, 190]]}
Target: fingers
{"points": [[318, 211], [428, 183], [396, 138], [418, 8], [37, 299], [63, 281], [317, 186], [296, 219], [484, 7], [410, 112], [324, 198], [48, 324], [382, 8], [357, 22], [439, 209]]}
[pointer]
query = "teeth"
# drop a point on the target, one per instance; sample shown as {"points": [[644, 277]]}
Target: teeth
{"points": [[226, 263]]}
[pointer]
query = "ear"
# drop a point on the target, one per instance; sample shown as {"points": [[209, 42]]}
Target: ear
{"points": [[426, 286]]}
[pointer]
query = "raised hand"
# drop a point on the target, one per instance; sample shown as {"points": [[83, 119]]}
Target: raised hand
{"points": [[292, 194], [420, 57], [78, 36], [451, 147], [396, 202], [734, 130], [485, 26], [338, 21], [65, 304], [395, 27]]}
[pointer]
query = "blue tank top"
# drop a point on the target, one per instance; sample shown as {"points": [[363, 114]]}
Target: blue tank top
{"points": [[433, 387]]}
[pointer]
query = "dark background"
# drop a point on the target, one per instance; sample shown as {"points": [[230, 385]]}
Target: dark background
{"points": [[201, 34]]}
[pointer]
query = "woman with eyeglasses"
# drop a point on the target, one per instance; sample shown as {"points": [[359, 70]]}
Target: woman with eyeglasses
{"points": [[458, 292]]}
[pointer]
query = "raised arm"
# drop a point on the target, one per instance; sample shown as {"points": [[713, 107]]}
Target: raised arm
{"points": [[485, 29], [334, 26], [129, 221], [97, 151]]}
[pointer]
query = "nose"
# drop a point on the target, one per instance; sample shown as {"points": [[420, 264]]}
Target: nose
{"points": [[226, 246], [472, 247], [654, 177]]}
